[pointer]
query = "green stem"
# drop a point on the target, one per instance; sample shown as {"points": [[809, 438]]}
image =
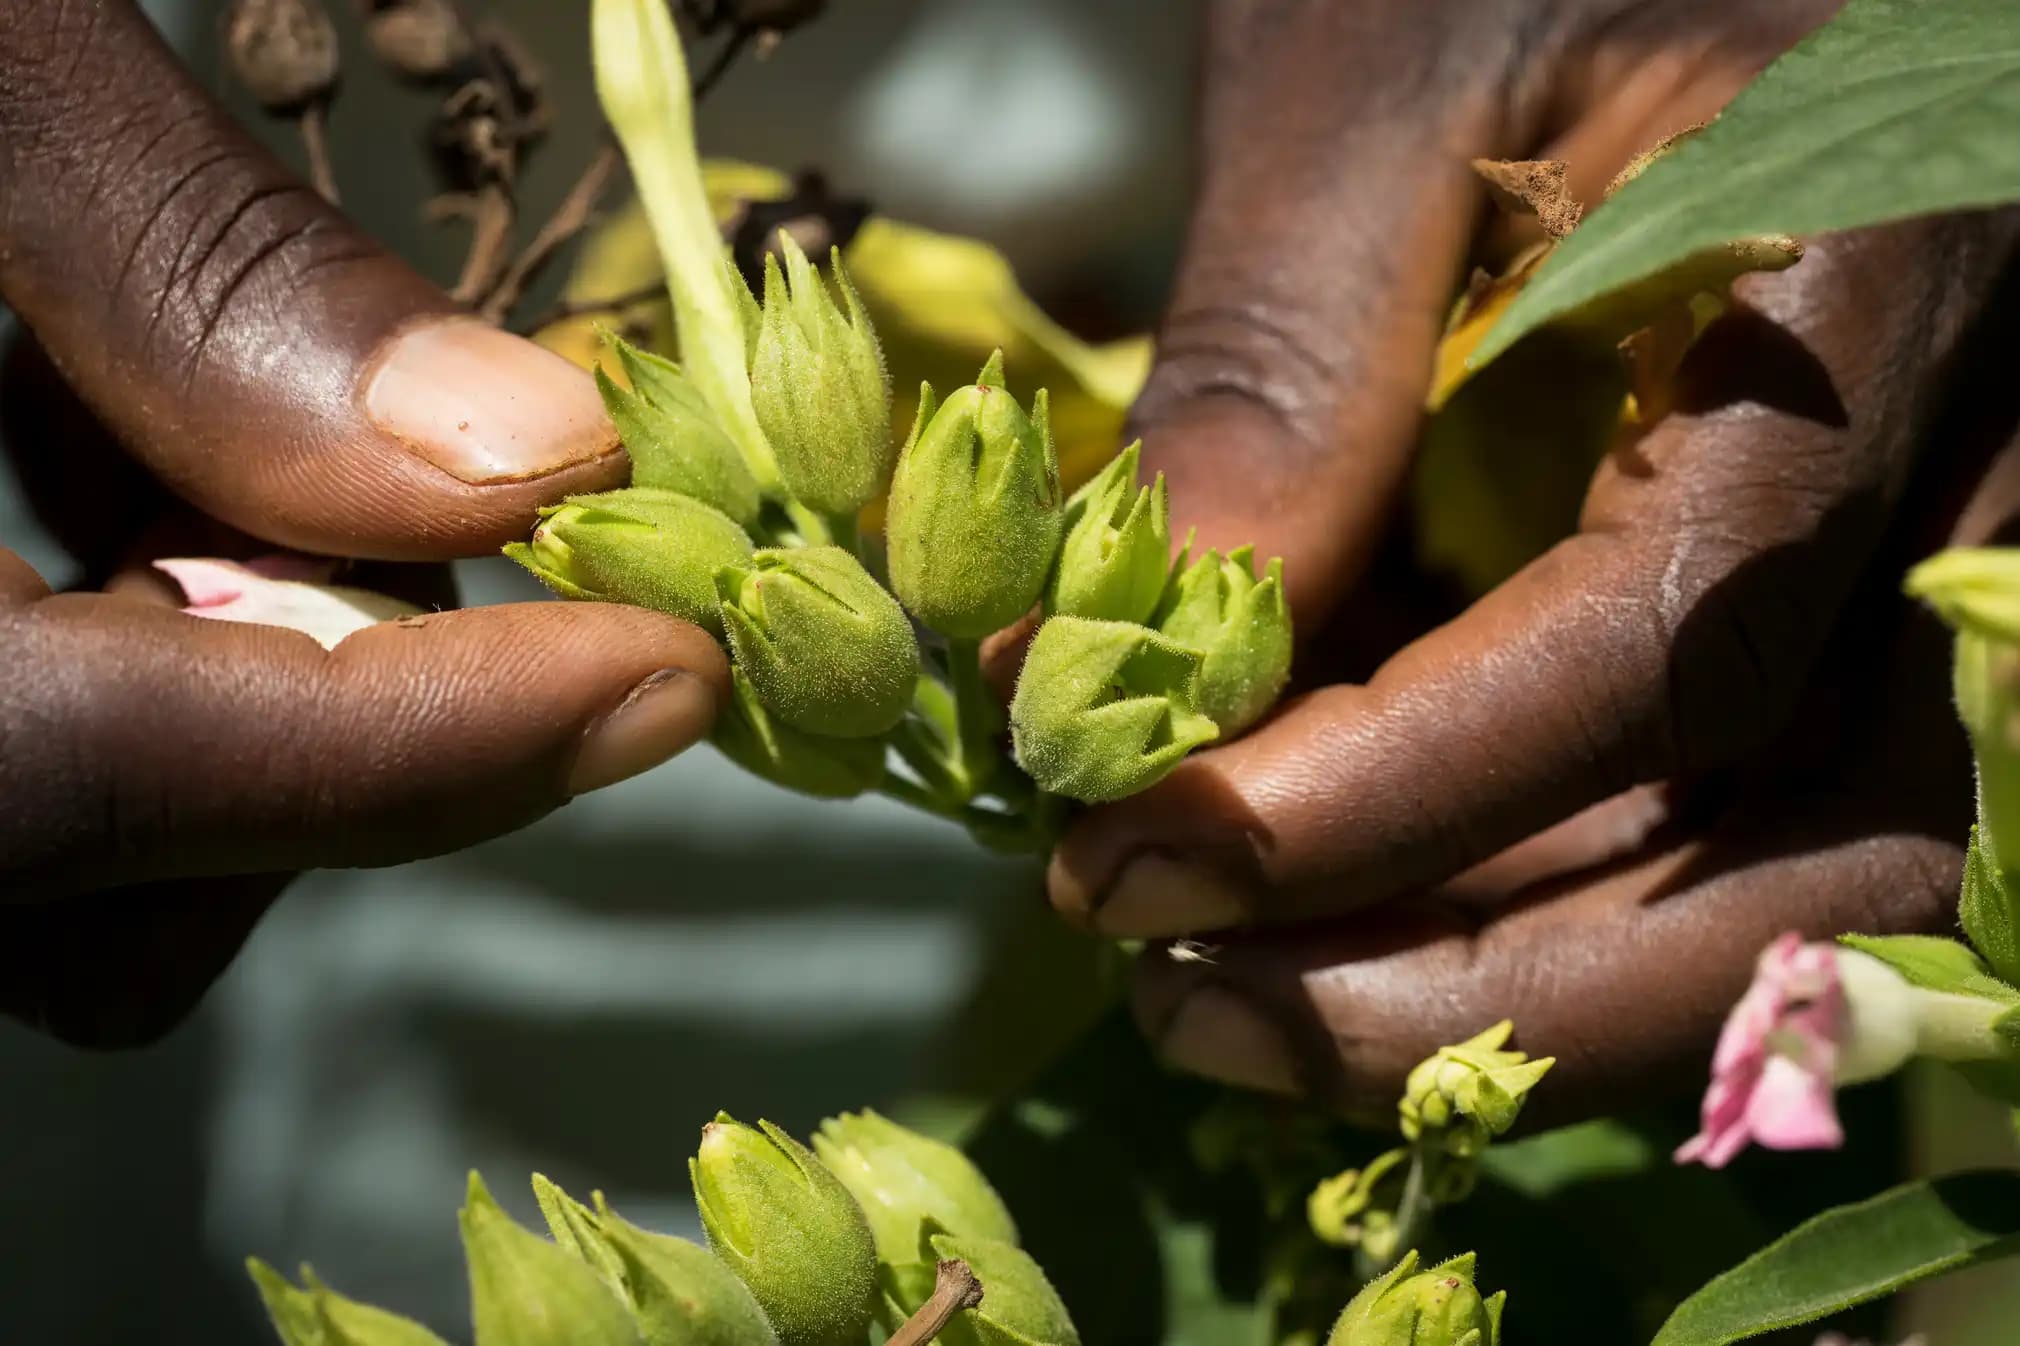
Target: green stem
{"points": [[922, 750], [1412, 1213], [811, 526], [975, 712], [842, 531]]}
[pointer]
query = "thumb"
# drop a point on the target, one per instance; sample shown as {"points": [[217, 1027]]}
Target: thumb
{"points": [[262, 356], [143, 744]]}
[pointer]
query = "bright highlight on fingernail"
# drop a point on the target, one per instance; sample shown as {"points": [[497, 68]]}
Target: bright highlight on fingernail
{"points": [[484, 405]]}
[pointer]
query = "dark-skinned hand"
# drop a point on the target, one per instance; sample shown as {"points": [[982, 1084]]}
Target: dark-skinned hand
{"points": [[1588, 799], [290, 384]]}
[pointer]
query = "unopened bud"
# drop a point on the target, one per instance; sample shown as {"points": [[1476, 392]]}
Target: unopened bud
{"points": [[315, 1315], [1407, 1307], [680, 1293], [819, 388], [789, 1230], [1466, 1095], [1019, 1306], [652, 549], [1240, 625], [673, 438], [903, 1179], [1117, 549], [1344, 1208], [825, 646], [1104, 709], [975, 516], [526, 1291], [814, 764]]}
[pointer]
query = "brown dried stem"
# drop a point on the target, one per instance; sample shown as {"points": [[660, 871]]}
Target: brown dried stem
{"points": [[565, 309], [314, 126], [570, 218], [955, 1287], [490, 211]]}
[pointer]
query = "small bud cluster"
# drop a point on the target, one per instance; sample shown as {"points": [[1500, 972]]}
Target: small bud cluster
{"points": [[1454, 1103], [805, 1247], [1134, 663]]}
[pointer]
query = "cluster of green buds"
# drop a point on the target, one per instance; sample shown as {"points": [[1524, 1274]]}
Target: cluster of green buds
{"points": [[1454, 1103], [1135, 664], [803, 1249], [755, 461], [1438, 1306], [1462, 1097]]}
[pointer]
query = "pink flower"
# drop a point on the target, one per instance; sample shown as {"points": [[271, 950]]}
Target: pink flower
{"points": [[1773, 1073], [280, 591]]}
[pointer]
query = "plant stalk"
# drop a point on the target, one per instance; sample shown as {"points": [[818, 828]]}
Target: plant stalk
{"points": [[955, 1287]]}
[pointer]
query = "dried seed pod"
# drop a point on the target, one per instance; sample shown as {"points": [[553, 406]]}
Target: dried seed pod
{"points": [[418, 40], [813, 216], [283, 51]]}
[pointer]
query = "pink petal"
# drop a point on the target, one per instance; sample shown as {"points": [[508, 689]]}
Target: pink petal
{"points": [[1793, 1109], [227, 591], [206, 583]]}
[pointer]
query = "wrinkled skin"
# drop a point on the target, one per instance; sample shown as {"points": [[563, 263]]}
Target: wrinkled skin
{"points": [[207, 338], [1587, 800]]}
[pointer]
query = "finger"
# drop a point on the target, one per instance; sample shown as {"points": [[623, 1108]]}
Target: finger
{"points": [[1623, 973], [143, 744], [120, 969], [1333, 210], [265, 359], [1671, 636], [1624, 981]]}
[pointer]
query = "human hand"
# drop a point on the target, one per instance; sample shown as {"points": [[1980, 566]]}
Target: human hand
{"points": [[290, 382], [1586, 801]]}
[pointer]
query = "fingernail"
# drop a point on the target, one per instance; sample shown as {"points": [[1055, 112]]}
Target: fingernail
{"points": [[1157, 897], [1219, 1035], [484, 405], [664, 714]]}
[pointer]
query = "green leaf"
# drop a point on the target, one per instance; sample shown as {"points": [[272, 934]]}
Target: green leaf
{"points": [[1895, 108], [1934, 963], [1854, 1254], [1990, 909]]}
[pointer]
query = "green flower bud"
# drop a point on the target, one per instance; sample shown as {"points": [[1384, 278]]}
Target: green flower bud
{"points": [[902, 1179], [827, 649], [1345, 1208], [578, 1229], [525, 1291], [974, 518], [1407, 1307], [814, 764], [652, 549], [1118, 546], [789, 1229], [315, 1315], [1104, 709], [1972, 588], [1977, 591], [1019, 1306], [681, 1294], [818, 385], [1466, 1095], [673, 438], [1240, 625]]}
